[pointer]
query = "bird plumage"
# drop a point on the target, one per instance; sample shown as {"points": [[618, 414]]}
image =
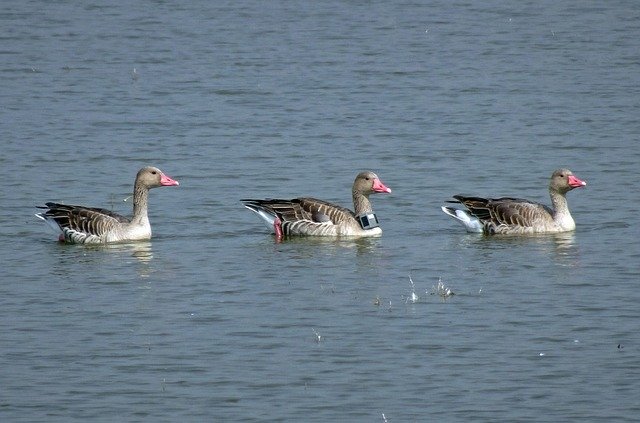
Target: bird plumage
{"points": [[509, 215], [91, 225], [314, 217]]}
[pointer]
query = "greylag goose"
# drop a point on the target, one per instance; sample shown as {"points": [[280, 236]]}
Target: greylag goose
{"points": [[309, 216], [518, 216], [86, 225]]}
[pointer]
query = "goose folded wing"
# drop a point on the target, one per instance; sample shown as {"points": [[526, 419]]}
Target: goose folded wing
{"points": [[320, 211], [477, 206], [94, 221], [517, 212]]}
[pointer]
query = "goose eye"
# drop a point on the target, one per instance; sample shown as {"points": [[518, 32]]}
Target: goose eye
{"points": [[153, 172]]}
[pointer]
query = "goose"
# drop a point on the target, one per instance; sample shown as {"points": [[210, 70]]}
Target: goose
{"points": [[518, 216], [313, 217], [87, 225]]}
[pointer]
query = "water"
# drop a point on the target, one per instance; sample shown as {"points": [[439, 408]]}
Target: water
{"points": [[212, 320]]}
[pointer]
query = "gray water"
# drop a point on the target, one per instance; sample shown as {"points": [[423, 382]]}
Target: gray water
{"points": [[212, 320]]}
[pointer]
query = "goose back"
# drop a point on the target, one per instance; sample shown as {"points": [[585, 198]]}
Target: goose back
{"points": [[509, 215], [81, 225], [305, 216]]}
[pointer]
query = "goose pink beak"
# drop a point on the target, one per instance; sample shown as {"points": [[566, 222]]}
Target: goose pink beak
{"points": [[167, 182], [378, 186], [575, 182]]}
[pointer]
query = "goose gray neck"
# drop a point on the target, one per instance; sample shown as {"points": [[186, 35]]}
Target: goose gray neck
{"points": [[140, 204], [361, 203], [561, 215], [559, 202]]}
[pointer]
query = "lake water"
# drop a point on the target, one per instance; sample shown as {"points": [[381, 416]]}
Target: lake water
{"points": [[212, 320]]}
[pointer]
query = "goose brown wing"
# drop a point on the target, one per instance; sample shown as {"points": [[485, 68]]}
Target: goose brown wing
{"points": [[286, 210], [506, 210], [322, 211], [518, 212], [477, 206], [94, 221], [302, 209]]}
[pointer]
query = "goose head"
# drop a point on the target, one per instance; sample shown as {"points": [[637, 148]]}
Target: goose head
{"points": [[152, 177], [563, 181], [369, 183]]}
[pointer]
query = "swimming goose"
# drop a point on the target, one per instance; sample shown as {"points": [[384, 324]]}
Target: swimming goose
{"points": [[85, 225], [309, 216], [518, 216]]}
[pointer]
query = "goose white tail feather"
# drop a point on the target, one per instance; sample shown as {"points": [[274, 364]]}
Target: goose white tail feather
{"points": [[267, 218], [470, 223], [50, 223]]}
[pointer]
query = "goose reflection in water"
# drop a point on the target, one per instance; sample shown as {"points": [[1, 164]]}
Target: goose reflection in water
{"points": [[560, 247], [101, 258]]}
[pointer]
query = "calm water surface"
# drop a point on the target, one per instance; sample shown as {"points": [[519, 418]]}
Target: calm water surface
{"points": [[212, 320]]}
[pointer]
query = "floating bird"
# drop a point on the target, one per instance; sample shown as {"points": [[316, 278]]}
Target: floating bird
{"points": [[86, 225], [518, 216], [309, 216]]}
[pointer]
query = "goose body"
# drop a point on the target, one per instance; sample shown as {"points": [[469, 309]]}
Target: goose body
{"points": [[518, 216], [89, 225], [313, 217]]}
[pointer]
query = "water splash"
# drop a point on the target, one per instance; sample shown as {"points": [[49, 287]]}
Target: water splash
{"points": [[442, 290], [412, 298]]}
